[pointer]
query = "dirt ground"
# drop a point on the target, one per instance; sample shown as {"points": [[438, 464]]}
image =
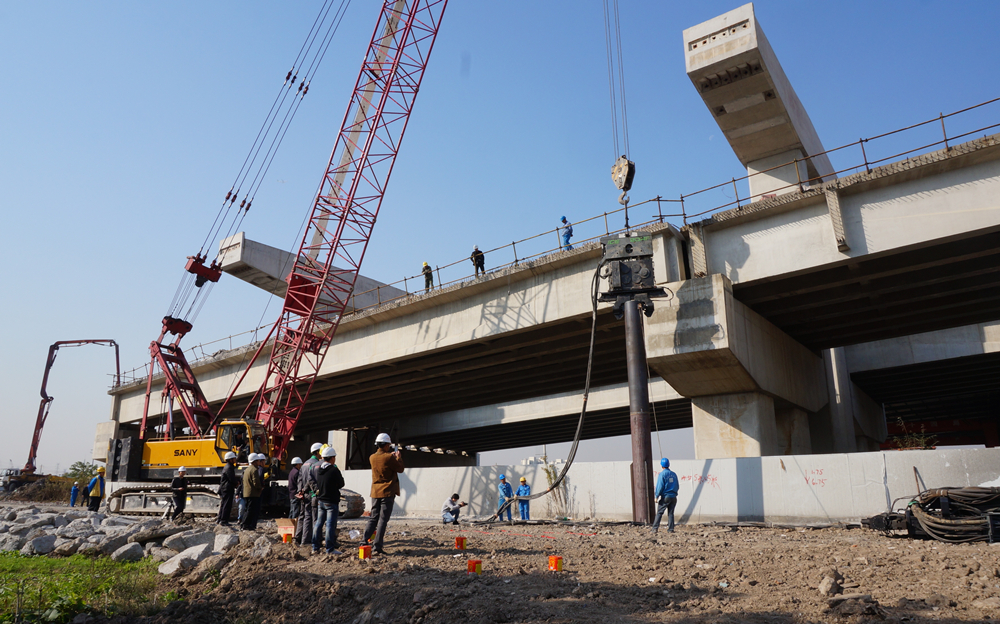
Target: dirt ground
{"points": [[611, 574]]}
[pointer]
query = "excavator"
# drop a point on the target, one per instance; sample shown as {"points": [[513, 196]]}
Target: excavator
{"points": [[340, 224]]}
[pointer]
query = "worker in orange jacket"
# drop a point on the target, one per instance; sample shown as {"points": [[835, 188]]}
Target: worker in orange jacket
{"points": [[387, 463]]}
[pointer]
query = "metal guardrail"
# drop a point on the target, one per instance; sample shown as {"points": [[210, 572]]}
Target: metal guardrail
{"points": [[512, 257]]}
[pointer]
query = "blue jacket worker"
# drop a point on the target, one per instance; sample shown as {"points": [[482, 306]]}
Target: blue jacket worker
{"points": [[451, 508], [505, 492], [73, 493], [96, 490], [666, 496], [567, 233], [524, 490]]}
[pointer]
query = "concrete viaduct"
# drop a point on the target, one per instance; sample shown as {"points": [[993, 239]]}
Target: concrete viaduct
{"points": [[800, 323]]}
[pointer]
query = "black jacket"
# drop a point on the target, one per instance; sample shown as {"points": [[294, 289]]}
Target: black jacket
{"points": [[228, 481], [179, 486], [330, 481], [293, 483]]}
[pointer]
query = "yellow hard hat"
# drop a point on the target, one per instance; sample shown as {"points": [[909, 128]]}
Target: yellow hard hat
{"points": [[101, 469], [523, 479], [425, 264]]}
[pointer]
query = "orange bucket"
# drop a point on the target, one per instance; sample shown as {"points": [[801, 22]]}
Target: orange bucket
{"points": [[460, 543], [475, 566], [555, 563], [365, 552], [286, 538]]}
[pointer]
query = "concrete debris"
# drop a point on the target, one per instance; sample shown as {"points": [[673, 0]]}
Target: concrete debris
{"points": [[226, 542], [129, 552]]}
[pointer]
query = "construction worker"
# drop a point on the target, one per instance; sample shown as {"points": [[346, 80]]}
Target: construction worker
{"points": [[179, 489], [95, 489], [478, 260], [73, 493], [523, 490], [428, 277], [253, 487], [567, 233], [666, 496], [228, 483], [293, 491], [451, 508], [505, 492], [386, 464], [307, 487], [329, 480]]}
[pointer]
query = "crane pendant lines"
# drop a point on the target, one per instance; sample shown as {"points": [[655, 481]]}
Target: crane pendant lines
{"points": [[345, 211]]}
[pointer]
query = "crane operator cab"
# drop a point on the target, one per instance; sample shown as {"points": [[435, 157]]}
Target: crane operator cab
{"points": [[203, 457]]}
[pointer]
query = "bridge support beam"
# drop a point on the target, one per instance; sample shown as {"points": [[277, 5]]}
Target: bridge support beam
{"points": [[753, 388]]}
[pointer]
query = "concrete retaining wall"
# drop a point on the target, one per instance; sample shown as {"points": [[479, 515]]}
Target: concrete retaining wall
{"points": [[785, 489]]}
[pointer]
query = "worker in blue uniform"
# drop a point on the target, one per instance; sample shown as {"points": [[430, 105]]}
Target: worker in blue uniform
{"points": [[522, 505], [666, 496], [73, 493], [505, 492]]}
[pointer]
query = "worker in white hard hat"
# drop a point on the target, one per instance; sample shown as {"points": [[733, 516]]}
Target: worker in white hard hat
{"points": [[73, 493], [329, 480], [428, 274], [179, 490], [253, 487], [227, 489], [478, 260], [294, 499], [309, 488], [387, 463]]}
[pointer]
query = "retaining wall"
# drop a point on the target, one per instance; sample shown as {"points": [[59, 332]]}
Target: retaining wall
{"points": [[784, 489]]}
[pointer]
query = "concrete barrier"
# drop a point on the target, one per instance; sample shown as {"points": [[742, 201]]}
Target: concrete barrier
{"points": [[794, 489]]}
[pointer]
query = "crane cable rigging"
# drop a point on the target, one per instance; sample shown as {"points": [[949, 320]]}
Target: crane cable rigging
{"points": [[259, 158], [614, 54]]}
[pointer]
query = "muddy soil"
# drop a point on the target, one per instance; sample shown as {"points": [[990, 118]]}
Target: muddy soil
{"points": [[611, 574]]}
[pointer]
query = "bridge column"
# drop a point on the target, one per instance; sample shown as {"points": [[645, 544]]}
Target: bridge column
{"points": [[752, 387]]}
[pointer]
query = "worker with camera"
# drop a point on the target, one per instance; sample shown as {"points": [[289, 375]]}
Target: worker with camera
{"points": [[387, 463]]}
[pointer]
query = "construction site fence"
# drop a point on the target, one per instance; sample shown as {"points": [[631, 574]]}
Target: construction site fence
{"points": [[921, 137]]}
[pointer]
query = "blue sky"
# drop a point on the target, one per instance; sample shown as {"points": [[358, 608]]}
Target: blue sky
{"points": [[123, 125]]}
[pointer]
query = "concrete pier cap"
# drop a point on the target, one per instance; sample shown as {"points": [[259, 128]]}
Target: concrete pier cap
{"points": [[752, 387], [738, 76]]}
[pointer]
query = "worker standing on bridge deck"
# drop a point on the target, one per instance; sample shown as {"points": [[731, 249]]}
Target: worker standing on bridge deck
{"points": [[386, 463], [505, 492], [73, 493], [179, 489], [96, 490], [666, 496], [567, 233], [522, 505], [309, 488], [428, 277], [478, 260], [228, 483]]}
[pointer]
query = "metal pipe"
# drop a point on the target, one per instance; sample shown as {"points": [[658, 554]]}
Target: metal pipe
{"points": [[638, 400]]}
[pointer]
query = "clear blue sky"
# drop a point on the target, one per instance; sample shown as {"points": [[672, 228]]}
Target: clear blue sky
{"points": [[123, 124]]}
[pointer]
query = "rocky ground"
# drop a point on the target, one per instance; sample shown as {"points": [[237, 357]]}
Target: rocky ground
{"points": [[612, 573]]}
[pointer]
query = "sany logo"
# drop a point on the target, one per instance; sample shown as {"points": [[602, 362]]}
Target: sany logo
{"points": [[184, 452]]}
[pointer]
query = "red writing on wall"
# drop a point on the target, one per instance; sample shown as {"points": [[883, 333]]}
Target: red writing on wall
{"points": [[710, 479], [815, 477]]}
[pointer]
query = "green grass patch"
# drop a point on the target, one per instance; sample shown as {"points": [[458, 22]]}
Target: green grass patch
{"points": [[44, 589]]}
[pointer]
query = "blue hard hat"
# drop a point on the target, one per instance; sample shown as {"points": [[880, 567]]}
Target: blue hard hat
{"points": [[562, 218], [665, 463], [502, 477]]}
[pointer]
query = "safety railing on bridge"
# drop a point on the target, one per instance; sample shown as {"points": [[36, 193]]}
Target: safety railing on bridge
{"points": [[686, 207]]}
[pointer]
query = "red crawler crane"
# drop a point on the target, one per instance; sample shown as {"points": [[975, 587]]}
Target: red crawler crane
{"points": [[339, 228]]}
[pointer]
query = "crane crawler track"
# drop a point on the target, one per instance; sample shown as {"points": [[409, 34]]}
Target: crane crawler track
{"points": [[156, 499]]}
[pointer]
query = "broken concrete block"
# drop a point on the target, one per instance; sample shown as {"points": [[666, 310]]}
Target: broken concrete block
{"points": [[225, 542], [128, 552]]}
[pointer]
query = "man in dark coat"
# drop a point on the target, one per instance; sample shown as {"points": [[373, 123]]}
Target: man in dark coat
{"points": [[478, 261], [179, 490], [227, 489], [329, 481], [294, 498]]}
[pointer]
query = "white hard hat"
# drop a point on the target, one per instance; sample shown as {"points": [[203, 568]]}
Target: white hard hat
{"points": [[182, 469], [382, 437], [252, 457], [315, 447], [329, 452], [296, 460], [76, 483], [229, 455]]}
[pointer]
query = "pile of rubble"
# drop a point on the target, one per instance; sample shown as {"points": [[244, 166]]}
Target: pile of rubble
{"points": [[179, 548]]}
